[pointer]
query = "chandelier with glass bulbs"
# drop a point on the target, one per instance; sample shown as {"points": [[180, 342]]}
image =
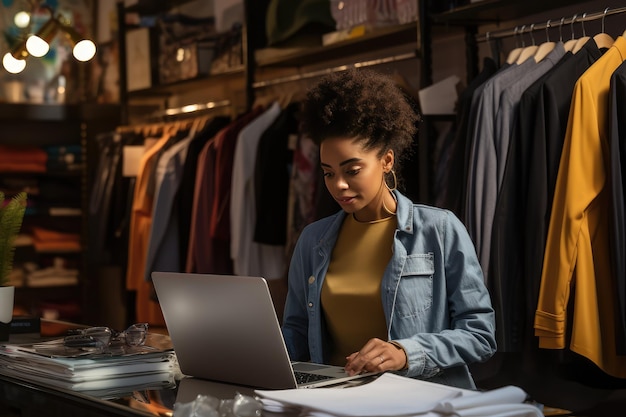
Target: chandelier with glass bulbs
{"points": [[38, 44]]}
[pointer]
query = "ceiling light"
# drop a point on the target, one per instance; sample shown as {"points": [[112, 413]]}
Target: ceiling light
{"points": [[21, 19], [38, 45], [83, 49], [13, 65]]}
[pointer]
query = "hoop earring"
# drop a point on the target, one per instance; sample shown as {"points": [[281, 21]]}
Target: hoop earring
{"points": [[395, 181]]}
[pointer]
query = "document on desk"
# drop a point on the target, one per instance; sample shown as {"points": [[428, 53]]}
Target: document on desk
{"points": [[393, 395], [388, 395]]}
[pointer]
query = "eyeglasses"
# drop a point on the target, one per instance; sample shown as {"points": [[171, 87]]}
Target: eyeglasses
{"points": [[101, 338]]}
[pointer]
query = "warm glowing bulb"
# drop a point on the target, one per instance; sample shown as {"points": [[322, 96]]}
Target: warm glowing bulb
{"points": [[36, 46], [84, 50], [21, 19], [13, 65]]}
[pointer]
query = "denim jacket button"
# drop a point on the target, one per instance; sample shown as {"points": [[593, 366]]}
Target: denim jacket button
{"points": [[311, 305], [311, 279]]}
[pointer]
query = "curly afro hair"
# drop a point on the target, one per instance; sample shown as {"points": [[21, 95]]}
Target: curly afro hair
{"points": [[363, 104]]}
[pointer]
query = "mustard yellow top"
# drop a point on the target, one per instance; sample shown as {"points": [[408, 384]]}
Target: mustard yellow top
{"points": [[351, 298]]}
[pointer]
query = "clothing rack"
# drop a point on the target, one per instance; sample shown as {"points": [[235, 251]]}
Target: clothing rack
{"points": [[585, 17], [319, 73], [188, 109]]}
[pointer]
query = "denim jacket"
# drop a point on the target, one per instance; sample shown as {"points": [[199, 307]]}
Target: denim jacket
{"points": [[433, 294]]}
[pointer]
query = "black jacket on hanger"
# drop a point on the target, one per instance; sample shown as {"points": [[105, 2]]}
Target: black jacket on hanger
{"points": [[545, 155], [109, 204], [271, 178], [617, 183]]}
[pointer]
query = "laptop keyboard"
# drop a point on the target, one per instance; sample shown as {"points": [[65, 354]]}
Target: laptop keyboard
{"points": [[305, 377]]}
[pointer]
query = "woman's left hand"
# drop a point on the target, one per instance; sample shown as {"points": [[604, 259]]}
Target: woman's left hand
{"points": [[376, 356]]}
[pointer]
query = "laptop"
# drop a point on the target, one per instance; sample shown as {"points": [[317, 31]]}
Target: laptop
{"points": [[224, 328]]}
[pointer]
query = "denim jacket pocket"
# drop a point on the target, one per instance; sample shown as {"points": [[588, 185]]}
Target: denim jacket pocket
{"points": [[415, 294]]}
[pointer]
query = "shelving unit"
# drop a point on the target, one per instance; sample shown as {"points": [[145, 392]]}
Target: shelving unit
{"points": [[165, 94], [64, 210]]}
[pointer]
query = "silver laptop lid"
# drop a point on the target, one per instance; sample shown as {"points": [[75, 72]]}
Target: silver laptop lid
{"points": [[214, 334]]}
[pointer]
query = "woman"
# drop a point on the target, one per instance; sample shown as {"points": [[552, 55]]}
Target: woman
{"points": [[384, 284]]}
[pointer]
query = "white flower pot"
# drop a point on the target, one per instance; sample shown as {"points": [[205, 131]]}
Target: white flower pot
{"points": [[7, 294]]}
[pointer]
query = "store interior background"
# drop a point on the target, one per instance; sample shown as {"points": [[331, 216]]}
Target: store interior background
{"points": [[558, 378]]}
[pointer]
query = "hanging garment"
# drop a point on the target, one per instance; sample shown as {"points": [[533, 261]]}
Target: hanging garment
{"points": [[271, 180], [577, 256], [506, 261], [482, 181], [163, 242], [141, 217], [184, 196], [544, 131], [617, 182], [210, 234], [199, 245], [109, 151], [506, 239], [456, 174], [247, 255]]}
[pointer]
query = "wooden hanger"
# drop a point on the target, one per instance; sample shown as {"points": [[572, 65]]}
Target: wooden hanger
{"points": [[515, 53], [528, 51], [264, 100], [546, 47], [569, 45], [285, 95], [603, 39], [404, 84], [583, 40]]}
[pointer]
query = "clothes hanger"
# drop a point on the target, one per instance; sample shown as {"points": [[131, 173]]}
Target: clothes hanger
{"points": [[569, 45], [528, 51], [583, 40], [404, 84], [285, 95], [546, 47], [603, 39], [263, 100], [515, 53]]}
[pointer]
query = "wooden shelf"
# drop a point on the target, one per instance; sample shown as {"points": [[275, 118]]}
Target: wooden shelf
{"points": [[151, 7], [376, 40], [55, 112], [165, 90], [493, 11]]}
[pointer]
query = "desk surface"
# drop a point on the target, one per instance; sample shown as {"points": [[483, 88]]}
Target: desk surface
{"points": [[28, 398]]}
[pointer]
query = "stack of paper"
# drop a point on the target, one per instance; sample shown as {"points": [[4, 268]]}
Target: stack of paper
{"points": [[393, 395], [99, 374]]}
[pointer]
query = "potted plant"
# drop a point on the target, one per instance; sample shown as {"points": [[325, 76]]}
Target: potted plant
{"points": [[11, 216]]}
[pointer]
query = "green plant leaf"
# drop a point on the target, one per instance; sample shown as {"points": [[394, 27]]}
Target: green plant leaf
{"points": [[11, 217]]}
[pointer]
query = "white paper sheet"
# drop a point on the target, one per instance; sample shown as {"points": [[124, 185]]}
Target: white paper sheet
{"points": [[393, 395], [389, 395]]}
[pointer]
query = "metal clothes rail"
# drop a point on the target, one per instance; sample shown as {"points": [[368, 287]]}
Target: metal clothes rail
{"points": [[191, 108], [583, 17], [322, 72]]}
